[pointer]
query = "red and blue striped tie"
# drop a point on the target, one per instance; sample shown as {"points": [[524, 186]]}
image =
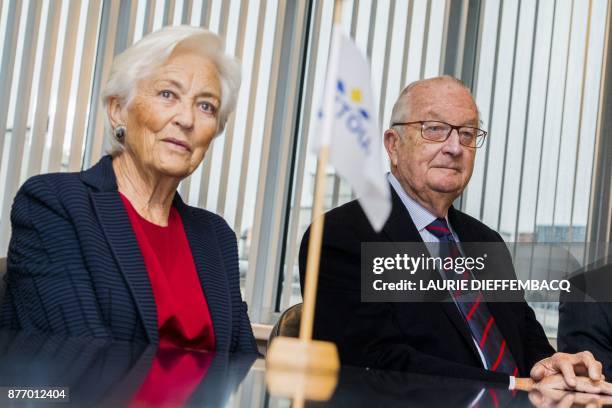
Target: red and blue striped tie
{"points": [[475, 312]]}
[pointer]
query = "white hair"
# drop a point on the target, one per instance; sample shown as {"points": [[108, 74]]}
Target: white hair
{"points": [[150, 52]]}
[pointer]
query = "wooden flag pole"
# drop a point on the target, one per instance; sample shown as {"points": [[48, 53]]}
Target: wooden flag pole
{"points": [[314, 248], [304, 353], [316, 232]]}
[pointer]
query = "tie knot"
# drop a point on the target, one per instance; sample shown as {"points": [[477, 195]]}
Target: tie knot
{"points": [[439, 228]]}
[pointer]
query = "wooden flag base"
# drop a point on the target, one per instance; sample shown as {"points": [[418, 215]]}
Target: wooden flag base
{"points": [[302, 370], [300, 385], [288, 353]]}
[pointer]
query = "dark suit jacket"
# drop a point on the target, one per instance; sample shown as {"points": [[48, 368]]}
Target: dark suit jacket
{"points": [[587, 325], [75, 267], [429, 338]]}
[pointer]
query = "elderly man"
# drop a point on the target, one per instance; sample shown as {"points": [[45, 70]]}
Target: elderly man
{"points": [[431, 145]]}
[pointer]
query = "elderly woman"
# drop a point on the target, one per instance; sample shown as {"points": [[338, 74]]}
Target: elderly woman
{"points": [[113, 251]]}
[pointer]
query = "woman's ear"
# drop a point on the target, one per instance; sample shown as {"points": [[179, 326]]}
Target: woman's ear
{"points": [[115, 112]]}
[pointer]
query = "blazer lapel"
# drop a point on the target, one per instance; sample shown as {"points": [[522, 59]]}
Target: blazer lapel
{"points": [[123, 244], [120, 236], [401, 228], [209, 264]]}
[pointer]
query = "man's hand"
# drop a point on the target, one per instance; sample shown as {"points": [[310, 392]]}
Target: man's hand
{"points": [[557, 382], [583, 384], [553, 391], [569, 365]]}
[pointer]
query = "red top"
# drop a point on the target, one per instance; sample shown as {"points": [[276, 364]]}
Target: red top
{"points": [[183, 318]]}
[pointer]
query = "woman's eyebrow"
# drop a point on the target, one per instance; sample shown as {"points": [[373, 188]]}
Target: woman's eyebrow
{"points": [[173, 82], [177, 84], [208, 94]]}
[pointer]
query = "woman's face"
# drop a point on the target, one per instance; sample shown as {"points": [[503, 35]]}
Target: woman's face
{"points": [[173, 116]]}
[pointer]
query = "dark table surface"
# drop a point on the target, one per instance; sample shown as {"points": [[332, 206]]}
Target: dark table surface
{"points": [[114, 374]]}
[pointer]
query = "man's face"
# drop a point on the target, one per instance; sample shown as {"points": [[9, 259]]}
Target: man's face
{"points": [[427, 167]]}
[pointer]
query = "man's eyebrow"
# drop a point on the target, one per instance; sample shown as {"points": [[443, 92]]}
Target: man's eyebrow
{"points": [[469, 122]]}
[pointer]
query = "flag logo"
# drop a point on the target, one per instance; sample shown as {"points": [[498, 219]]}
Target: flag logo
{"points": [[351, 111]]}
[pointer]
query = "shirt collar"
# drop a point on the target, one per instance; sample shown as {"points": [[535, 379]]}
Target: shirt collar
{"points": [[419, 214]]}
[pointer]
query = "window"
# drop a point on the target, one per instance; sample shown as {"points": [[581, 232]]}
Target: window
{"points": [[535, 69]]}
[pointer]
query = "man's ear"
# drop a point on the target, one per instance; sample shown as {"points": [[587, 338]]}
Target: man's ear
{"points": [[391, 140], [115, 112]]}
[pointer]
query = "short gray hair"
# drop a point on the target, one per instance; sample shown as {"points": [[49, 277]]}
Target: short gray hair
{"points": [[400, 106], [150, 52]]}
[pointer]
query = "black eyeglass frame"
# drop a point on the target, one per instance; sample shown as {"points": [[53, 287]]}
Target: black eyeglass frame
{"points": [[480, 138]]}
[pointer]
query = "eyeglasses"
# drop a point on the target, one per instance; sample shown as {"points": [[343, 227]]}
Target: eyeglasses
{"points": [[436, 131]]}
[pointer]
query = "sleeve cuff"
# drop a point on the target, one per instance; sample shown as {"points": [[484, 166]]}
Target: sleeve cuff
{"points": [[511, 383]]}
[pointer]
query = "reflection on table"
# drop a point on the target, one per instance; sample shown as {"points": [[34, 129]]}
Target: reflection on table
{"points": [[120, 374]]}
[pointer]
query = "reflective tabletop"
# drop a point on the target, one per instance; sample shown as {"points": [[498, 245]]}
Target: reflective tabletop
{"points": [[37, 370]]}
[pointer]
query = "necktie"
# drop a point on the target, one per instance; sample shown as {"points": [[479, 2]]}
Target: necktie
{"points": [[475, 312]]}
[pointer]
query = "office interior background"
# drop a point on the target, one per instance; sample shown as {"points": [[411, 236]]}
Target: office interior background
{"points": [[540, 71]]}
